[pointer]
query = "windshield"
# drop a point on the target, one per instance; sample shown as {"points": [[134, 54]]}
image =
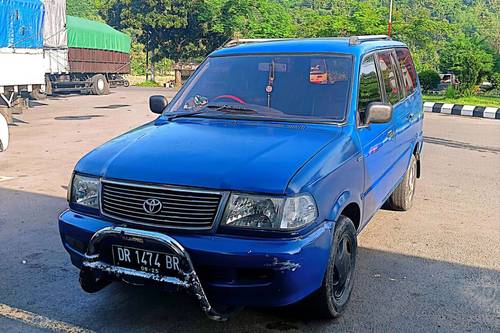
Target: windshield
{"points": [[302, 87]]}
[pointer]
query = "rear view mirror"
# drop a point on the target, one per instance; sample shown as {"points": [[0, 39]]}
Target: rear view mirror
{"points": [[378, 113], [157, 103]]}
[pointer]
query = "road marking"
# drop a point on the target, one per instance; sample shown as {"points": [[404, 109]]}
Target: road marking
{"points": [[4, 178], [39, 321]]}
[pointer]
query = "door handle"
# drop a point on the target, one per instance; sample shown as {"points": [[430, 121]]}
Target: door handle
{"points": [[410, 116], [390, 134]]}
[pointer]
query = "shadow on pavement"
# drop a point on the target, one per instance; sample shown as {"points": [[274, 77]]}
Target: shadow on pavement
{"points": [[393, 291]]}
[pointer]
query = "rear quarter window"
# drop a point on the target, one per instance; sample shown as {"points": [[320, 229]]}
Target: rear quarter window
{"points": [[407, 70]]}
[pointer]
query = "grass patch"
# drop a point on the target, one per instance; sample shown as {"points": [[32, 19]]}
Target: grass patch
{"points": [[493, 101], [148, 83]]}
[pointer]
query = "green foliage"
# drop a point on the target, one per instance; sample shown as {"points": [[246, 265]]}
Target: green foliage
{"points": [[451, 93], [429, 79], [460, 36], [88, 9], [148, 83], [466, 58], [137, 59], [495, 80], [480, 100]]}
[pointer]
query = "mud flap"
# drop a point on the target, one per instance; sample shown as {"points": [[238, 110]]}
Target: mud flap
{"points": [[97, 273]]}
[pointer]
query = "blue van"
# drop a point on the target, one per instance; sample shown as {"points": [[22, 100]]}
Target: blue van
{"points": [[253, 182]]}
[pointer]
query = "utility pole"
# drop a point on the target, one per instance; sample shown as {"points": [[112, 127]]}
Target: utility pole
{"points": [[389, 28]]}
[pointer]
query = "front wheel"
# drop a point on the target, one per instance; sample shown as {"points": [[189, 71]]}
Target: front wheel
{"points": [[402, 197], [333, 296]]}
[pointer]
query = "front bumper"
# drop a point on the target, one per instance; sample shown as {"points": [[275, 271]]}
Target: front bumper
{"points": [[233, 270]]}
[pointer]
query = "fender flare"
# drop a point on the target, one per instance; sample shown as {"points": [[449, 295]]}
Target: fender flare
{"points": [[342, 201]]}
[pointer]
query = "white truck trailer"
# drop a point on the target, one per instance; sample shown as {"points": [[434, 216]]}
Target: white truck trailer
{"points": [[22, 63]]}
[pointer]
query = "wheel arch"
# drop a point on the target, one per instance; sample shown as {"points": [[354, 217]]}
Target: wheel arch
{"points": [[347, 205]]}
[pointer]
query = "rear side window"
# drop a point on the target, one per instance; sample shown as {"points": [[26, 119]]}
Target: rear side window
{"points": [[407, 69], [389, 76], [369, 89]]}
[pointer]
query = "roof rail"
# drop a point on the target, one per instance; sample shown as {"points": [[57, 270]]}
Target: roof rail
{"points": [[355, 40], [239, 41]]}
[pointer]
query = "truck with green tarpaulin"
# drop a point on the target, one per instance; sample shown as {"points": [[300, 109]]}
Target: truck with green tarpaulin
{"points": [[90, 57]]}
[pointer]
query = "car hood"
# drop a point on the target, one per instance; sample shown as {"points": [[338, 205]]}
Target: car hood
{"points": [[241, 155]]}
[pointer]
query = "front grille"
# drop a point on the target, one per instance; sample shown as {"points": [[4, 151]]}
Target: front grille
{"points": [[180, 208]]}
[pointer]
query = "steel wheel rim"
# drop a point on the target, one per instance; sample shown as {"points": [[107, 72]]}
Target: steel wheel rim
{"points": [[411, 182], [342, 267], [100, 84]]}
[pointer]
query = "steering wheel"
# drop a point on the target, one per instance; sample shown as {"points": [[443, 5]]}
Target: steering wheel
{"points": [[234, 98]]}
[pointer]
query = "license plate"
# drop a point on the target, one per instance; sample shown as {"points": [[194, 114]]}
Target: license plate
{"points": [[146, 260]]}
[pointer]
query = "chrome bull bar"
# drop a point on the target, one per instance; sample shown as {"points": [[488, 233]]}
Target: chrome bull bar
{"points": [[91, 264]]}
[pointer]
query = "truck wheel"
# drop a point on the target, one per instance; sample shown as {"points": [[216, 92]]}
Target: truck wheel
{"points": [[331, 299], [402, 197], [38, 95], [100, 85]]}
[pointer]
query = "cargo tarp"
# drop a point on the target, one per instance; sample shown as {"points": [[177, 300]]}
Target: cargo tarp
{"points": [[88, 34], [54, 25], [21, 23]]}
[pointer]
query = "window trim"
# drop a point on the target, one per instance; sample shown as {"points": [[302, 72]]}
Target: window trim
{"points": [[382, 91]]}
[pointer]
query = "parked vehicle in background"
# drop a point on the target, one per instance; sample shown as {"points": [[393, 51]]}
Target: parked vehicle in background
{"points": [[21, 50], [448, 79], [252, 184], [89, 57], [4, 133]]}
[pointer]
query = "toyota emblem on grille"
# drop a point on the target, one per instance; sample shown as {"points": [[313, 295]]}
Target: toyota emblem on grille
{"points": [[152, 206]]}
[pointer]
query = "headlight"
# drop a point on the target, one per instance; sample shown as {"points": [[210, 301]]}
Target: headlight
{"points": [[85, 191], [262, 212]]}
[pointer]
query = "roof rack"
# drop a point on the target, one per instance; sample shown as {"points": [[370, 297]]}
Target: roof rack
{"points": [[355, 40], [239, 41]]}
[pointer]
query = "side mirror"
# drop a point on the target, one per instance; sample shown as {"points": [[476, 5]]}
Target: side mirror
{"points": [[157, 103], [378, 113]]}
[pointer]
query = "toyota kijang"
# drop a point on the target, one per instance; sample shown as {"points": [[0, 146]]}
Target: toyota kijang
{"points": [[252, 184]]}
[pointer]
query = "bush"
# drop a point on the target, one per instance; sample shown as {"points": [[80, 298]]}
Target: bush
{"points": [[451, 93], [495, 80], [429, 79]]}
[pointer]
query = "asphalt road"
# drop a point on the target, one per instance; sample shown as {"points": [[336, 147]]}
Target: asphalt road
{"points": [[434, 268]]}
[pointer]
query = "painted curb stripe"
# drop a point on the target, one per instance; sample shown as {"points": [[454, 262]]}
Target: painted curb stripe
{"points": [[463, 110], [478, 111], [34, 320], [457, 109], [437, 107]]}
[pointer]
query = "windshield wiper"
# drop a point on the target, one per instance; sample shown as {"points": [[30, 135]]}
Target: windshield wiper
{"points": [[173, 115], [217, 107], [225, 107]]}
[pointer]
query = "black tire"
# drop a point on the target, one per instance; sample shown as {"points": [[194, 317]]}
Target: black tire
{"points": [[126, 83], [38, 95], [100, 85], [402, 197], [331, 299]]}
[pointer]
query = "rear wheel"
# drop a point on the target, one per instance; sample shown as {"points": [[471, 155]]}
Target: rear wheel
{"points": [[331, 299], [37, 94], [100, 85], [402, 197]]}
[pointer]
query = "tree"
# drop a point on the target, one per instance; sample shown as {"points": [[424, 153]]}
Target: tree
{"points": [[467, 59], [173, 29]]}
